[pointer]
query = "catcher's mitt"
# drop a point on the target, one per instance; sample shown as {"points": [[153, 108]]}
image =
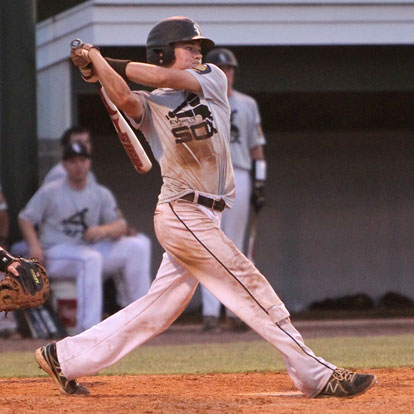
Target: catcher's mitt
{"points": [[28, 290]]}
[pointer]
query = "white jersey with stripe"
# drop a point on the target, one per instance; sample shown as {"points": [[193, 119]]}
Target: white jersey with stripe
{"points": [[189, 135], [246, 130]]}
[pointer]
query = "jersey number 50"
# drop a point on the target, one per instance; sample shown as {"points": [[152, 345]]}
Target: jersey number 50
{"points": [[203, 130]]}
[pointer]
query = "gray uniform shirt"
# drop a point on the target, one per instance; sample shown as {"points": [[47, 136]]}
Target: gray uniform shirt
{"points": [[246, 130], [189, 135], [63, 214]]}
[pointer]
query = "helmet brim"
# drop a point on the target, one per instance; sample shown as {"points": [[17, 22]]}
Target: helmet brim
{"points": [[206, 43]]}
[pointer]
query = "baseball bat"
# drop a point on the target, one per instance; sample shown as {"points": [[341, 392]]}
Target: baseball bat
{"points": [[126, 135]]}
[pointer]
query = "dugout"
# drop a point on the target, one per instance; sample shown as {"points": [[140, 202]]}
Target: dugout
{"points": [[335, 87]]}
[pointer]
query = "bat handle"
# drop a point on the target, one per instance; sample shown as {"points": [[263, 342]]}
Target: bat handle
{"points": [[76, 43]]}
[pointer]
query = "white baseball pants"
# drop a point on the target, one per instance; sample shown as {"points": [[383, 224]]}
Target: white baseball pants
{"points": [[234, 224], [90, 265], [196, 251]]}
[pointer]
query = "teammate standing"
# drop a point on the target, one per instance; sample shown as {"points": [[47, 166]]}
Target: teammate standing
{"points": [[247, 155], [186, 122]]}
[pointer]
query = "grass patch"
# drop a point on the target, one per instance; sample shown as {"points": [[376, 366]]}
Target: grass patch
{"points": [[349, 352]]}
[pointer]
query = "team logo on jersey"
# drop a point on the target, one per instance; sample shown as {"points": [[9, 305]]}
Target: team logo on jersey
{"points": [[202, 69], [191, 120], [75, 224], [234, 129]]}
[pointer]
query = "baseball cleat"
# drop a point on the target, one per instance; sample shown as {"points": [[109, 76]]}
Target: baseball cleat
{"points": [[347, 384], [46, 357]]}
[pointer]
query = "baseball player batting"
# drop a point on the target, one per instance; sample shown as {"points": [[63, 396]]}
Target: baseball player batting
{"points": [[187, 123]]}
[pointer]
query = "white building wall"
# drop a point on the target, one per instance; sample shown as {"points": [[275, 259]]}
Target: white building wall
{"points": [[54, 100]]}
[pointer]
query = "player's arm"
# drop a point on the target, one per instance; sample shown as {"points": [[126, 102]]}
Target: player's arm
{"points": [[30, 235], [257, 153], [160, 77], [142, 73], [112, 230], [115, 86]]}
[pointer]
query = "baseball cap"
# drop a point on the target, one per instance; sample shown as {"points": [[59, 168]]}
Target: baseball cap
{"points": [[75, 149]]}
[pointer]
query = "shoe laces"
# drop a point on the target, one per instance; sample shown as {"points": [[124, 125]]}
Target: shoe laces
{"points": [[342, 374]]}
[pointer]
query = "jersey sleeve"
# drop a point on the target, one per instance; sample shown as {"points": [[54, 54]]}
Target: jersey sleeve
{"points": [[110, 211], [35, 209], [213, 82], [256, 136]]}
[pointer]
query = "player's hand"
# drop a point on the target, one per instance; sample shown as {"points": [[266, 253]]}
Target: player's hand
{"points": [[257, 198], [94, 233], [37, 251], [80, 56], [12, 268], [88, 74]]}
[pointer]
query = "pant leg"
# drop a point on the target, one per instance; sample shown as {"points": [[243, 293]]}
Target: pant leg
{"points": [[85, 265], [191, 234], [131, 258], [113, 338], [234, 224]]}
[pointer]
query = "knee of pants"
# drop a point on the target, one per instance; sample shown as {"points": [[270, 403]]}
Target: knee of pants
{"points": [[140, 243], [94, 259]]}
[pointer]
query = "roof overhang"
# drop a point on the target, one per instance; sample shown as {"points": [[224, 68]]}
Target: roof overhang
{"points": [[231, 22]]}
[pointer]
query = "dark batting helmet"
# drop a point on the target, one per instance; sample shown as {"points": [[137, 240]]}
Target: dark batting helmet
{"points": [[160, 49], [221, 57]]}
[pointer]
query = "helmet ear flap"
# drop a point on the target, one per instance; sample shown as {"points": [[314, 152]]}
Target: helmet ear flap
{"points": [[163, 56]]}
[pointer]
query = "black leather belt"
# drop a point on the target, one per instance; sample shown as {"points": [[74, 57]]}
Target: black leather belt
{"points": [[218, 205]]}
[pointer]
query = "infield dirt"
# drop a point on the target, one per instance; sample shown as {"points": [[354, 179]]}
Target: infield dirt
{"points": [[248, 393], [219, 393]]}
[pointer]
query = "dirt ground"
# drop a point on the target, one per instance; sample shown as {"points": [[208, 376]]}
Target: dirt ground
{"points": [[219, 393]]}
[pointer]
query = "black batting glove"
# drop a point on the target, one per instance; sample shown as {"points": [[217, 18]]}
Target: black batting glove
{"points": [[257, 198]]}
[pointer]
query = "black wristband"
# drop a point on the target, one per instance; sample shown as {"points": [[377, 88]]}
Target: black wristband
{"points": [[5, 260], [119, 66]]}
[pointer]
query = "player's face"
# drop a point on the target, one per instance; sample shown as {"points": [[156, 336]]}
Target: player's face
{"points": [[187, 54], [84, 138], [229, 72], [77, 169]]}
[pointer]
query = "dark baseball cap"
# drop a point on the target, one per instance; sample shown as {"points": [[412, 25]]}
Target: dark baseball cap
{"points": [[75, 149]]}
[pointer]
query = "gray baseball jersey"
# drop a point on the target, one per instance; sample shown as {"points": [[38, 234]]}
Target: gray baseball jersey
{"points": [[188, 134], [63, 214], [246, 131]]}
